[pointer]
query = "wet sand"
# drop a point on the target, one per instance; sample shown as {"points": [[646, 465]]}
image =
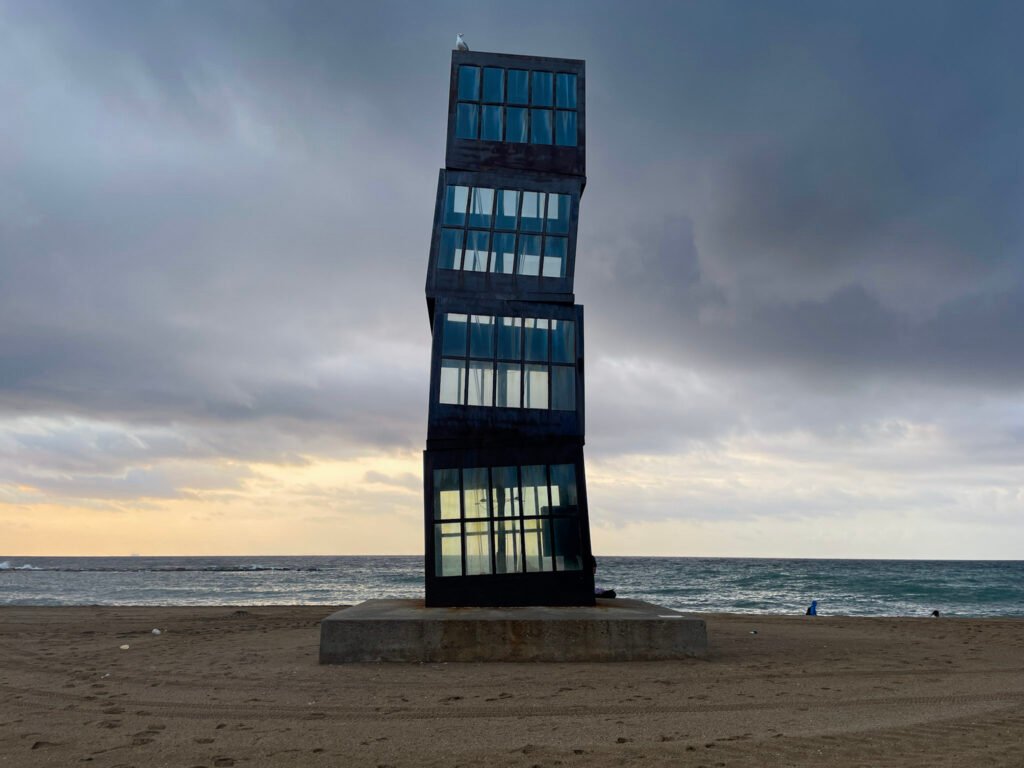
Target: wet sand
{"points": [[224, 686]]}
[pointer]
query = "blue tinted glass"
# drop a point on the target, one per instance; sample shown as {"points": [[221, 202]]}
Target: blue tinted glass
{"points": [[490, 126], [481, 336], [563, 393], [494, 85], [469, 83], [543, 85], [449, 253], [563, 341], [453, 338], [481, 203], [507, 211], [554, 257], [568, 551], [518, 86], [565, 128], [540, 126], [558, 213], [515, 128], [532, 218], [536, 330], [467, 121], [529, 255], [503, 253], [455, 199], [565, 90], [475, 259], [509, 332]]}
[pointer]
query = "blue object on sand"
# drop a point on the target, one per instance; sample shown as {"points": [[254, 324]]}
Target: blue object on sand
{"points": [[813, 610]]}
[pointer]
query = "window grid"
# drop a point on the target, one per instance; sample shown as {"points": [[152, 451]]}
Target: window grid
{"points": [[459, 357], [460, 228], [558, 544], [546, 114]]}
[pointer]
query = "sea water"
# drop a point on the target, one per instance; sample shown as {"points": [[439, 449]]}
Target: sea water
{"points": [[733, 585]]}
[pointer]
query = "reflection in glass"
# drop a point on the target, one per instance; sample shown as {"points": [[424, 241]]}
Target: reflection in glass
{"points": [[558, 213], [481, 336], [565, 128], [474, 492], [563, 488], [563, 388], [469, 83], [516, 125], [536, 338], [554, 257], [540, 126], [503, 254], [505, 491], [481, 203], [494, 85], [507, 546], [509, 333], [535, 389], [518, 86], [453, 382], [535, 490], [490, 126], [449, 250], [475, 259], [507, 211], [453, 334], [568, 551], [455, 199], [478, 553], [563, 341], [467, 121], [529, 255], [509, 385], [565, 90], [446, 494], [537, 533], [481, 383], [543, 87], [532, 219], [447, 550]]}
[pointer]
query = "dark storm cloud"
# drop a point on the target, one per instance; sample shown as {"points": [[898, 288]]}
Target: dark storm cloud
{"points": [[214, 217]]}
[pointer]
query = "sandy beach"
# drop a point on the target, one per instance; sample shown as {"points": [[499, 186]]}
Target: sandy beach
{"points": [[227, 686]]}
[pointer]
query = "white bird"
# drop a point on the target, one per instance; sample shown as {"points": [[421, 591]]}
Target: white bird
{"points": [[460, 44]]}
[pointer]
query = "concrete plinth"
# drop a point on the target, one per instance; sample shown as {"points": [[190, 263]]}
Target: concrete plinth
{"points": [[405, 630]]}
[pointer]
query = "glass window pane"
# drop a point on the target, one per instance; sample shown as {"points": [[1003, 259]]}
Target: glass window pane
{"points": [[565, 90], [515, 125], [475, 259], [535, 389], [536, 338], [467, 121], [508, 555], [563, 341], [558, 214], [453, 340], [537, 533], [490, 127], [543, 89], [509, 385], [518, 86], [563, 489], [446, 494], [503, 254], [563, 388], [565, 128], [532, 219], [510, 331], [481, 383], [529, 255], [478, 553], [449, 250], [453, 382], [469, 83], [474, 492], [481, 336], [508, 209], [505, 491], [494, 85], [455, 199], [568, 551], [481, 203], [535, 490], [540, 126], [554, 256], [448, 550]]}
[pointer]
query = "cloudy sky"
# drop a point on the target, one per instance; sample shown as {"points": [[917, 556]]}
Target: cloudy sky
{"points": [[800, 255]]}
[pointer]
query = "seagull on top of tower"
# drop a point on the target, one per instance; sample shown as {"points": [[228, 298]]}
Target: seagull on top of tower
{"points": [[460, 44]]}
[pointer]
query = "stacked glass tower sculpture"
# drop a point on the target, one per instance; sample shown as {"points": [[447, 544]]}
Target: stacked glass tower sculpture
{"points": [[504, 488]]}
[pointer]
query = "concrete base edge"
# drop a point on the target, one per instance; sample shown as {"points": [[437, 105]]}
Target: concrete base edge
{"points": [[406, 631]]}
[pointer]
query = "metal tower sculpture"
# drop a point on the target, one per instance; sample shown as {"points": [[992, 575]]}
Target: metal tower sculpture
{"points": [[504, 487]]}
